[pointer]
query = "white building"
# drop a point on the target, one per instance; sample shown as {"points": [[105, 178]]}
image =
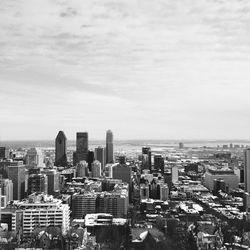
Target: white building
{"points": [[43, 211], [230, 178], [175, 174], [34, 158]]}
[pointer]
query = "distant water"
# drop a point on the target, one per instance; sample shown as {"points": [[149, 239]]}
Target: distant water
{"points": [[124, 143]]}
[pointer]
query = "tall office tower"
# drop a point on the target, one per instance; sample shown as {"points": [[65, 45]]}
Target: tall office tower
{"points": [[247, 170], [159, 163], [17, 175], [122, 172], [83, 204], [100, 155], [6, 186], [40, 211], [146, 158], [175, 174], [82, 169], [3, 153], [90, 158], [34, 158], [61, 149], [164, 192], [81, 146], [37, 183], [53, 180], [109, 147], [96, 169]]}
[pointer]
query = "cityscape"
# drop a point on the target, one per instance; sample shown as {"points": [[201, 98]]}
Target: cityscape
{"points": [[124, 125], [151, 196]]}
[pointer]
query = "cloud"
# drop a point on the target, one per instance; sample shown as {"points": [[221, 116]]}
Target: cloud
{"points": [[156, 63]]}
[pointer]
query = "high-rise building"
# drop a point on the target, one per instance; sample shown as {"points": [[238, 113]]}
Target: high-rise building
{"points": [[61, 149], [53, 180], [34, 158], [43, 211], [122, 172], [164, 192], [17, 175], [37, 183], [96, 169], [115, 202], [247, 170], [83, 204], [3, 153], [181, 145], [82, 169], [109, 147], [100, 155], [146, 158], [81, 146], [159, 162], [175, 174], [6, 186], [90, 158]]}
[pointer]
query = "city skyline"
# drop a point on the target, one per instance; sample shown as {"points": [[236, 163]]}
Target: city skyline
{"points": [[168, 69]]}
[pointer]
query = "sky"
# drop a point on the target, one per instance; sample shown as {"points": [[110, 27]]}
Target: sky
{"points": [[145, 69]]}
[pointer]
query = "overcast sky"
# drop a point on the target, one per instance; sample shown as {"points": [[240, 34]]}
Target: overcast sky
{"points": [[159, 69]]}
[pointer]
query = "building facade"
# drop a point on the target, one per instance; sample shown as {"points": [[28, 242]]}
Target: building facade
{"points": [[61, 149], [109, 147]]}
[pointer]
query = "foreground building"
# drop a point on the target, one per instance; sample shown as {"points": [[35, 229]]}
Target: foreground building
{"points": [[42, 211]]}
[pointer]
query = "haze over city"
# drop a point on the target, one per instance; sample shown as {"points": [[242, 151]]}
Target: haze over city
{"points": [[145, 69]]}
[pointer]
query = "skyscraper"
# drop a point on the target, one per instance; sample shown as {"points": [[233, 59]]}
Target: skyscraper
{"points": [[17, 175], [247, 170], [96, 169], [159, 162], [81, 146], [61, 149], [34, 158], [37, 183], [100, 155], [109, 147], [3, 153], [146, 158], [82, 169]]}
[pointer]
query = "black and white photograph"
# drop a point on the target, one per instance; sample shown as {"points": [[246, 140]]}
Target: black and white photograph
{"points": [[124, 124]]}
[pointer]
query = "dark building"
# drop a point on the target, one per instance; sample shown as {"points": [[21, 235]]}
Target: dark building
{"points": [[192, 167], [159, 163], [122, 159], [17, 175], [61, 148], [219, 185], [3, 153], [81, 146], [37, 183], [100, 155], [146, 158], [109, 147], [90, 158]]}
